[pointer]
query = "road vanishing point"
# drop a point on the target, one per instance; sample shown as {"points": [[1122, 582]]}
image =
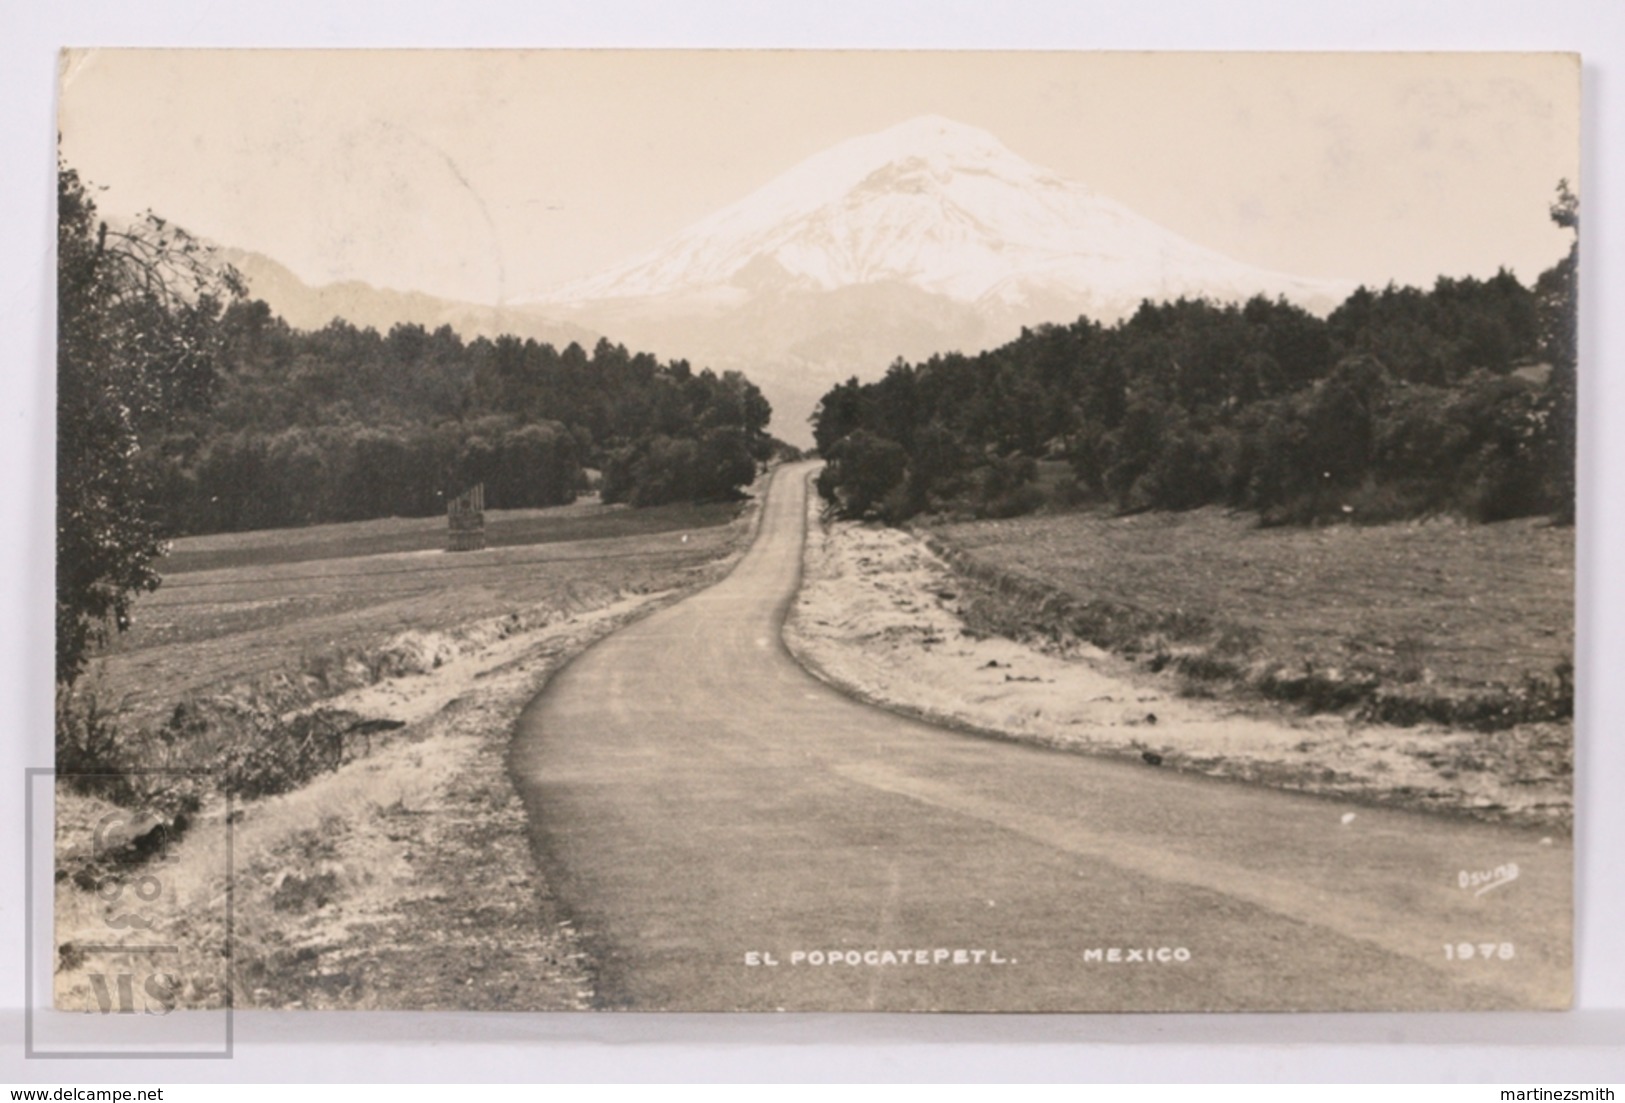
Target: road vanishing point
{"points": [[728, 832]]}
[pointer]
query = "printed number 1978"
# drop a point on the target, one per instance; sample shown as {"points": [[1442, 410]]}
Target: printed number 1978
{"points": [[1486, 951]]}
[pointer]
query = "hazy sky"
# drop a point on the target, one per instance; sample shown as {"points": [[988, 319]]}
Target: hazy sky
{"points": [[489, 176]]}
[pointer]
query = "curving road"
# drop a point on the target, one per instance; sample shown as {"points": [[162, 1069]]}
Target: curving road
{"points": [[730, 833]]}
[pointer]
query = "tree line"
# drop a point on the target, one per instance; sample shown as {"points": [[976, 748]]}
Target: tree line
{"points": [[345, 424], [1402, 402], [184, 406]]}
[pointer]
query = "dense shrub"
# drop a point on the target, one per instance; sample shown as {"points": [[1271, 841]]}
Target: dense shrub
{"points": [[672, 469], [863, 469]]}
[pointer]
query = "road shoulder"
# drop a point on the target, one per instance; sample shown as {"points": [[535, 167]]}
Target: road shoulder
{"points": [[877, 616]]}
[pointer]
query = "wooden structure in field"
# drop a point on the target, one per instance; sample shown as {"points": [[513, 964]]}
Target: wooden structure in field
{"points": [[465, 520]]}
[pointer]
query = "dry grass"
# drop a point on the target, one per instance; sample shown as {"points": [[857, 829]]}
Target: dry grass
{"points": [[355, 888], [987, 644], [207, 629], [1444, 607]]}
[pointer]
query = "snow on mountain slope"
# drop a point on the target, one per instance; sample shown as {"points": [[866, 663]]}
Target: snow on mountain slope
{"points": [[945, 208], [928, 237]]}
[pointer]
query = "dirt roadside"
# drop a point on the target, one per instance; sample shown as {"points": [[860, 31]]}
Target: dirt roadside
{"points": [[402, 880], [878, 616]]}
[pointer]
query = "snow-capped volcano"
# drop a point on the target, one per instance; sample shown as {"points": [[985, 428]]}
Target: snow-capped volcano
{"points": [[928, 237], [944, 208]]}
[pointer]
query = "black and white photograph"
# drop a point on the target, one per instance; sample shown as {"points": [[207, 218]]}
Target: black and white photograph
{"points": [[815, 530]]}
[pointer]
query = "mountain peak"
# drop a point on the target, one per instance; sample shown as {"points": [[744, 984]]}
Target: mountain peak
{"points": [[930, 136], [869, 178], [941, 207], [937, 128], [927, 236]]}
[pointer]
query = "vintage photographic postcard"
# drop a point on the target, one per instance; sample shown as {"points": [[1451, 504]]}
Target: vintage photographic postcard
{"points": [[750, 530]]}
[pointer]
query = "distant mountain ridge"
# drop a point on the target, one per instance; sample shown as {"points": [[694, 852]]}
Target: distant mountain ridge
{"points": [[928, 237], [304, 306]]}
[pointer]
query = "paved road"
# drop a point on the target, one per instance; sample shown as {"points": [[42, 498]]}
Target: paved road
{"points": [[708, 809]]}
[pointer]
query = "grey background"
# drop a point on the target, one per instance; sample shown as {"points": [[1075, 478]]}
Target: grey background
{"points": [[1585, 1045]]}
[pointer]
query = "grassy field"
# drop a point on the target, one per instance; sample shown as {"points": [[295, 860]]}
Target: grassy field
{"points": [[239, 606], [1434, 611], [584, 520]]}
